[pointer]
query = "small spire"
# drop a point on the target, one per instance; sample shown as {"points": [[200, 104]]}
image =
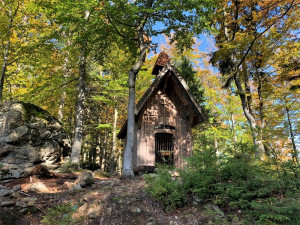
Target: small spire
{"points": [[161, 61]]}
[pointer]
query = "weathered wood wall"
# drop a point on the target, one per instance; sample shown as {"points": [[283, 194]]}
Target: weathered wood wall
{"points": [[166, 106]]}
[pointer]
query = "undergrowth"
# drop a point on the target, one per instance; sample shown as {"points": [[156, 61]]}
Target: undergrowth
{"points": [[61, 215], [165, 188], [262, 192]]}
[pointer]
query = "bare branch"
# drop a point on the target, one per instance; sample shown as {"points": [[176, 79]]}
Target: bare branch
{"points": [[122, 23], [64, 84], [118, 32]]}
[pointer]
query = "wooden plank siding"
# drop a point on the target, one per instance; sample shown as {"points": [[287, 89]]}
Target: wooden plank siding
{"points": [[166, 107]]}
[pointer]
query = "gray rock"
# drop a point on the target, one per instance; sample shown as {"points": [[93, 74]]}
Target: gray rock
{"points": [[3, 187], [38, 187], [29, 199], [26, 202], [30, 204], [5, 192], [108, 182], [16, 187], [16, 135], [8, 203], [12, 173], [135, 209], [21, 203], [25, 210], [29, 135], [9, 120], [76, 187], [85, 179], [15, 195], [17, 107], [28, 153], [6, 149], [50, 151]]}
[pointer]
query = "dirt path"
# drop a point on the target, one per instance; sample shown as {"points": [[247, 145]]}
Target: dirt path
{"points": [[108, 201]]}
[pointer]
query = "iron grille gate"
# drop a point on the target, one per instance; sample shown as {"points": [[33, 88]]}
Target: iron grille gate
{"points": [[164, 153]]}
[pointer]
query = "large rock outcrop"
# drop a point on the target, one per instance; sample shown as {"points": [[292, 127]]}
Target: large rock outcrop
{"points": [[29, 135]]}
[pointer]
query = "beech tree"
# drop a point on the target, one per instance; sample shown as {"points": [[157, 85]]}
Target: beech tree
{"points": [[246, 40]]}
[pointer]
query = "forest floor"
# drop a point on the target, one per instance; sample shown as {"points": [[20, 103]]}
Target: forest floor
{"points": [[109, 201]]}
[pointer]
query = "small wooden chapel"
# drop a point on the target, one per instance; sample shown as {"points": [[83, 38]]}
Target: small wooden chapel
{"points": [[164, 117]]}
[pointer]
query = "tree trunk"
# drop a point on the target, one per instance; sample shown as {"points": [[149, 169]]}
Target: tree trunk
{"points": [[63, 96], [78, 133], [98, 140], [295, 153], [233, 127], [6, 53], [251, 119], [3, 70], [261, 113], [101, 150], [114, 142], [127, 158], [105, 149], [61, 106]]}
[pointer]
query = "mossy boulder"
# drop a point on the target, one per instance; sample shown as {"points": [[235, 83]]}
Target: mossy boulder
{"points": [[29, 135]]}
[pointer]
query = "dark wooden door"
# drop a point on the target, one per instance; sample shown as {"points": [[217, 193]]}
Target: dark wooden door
{"points": [[164, 153]]}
